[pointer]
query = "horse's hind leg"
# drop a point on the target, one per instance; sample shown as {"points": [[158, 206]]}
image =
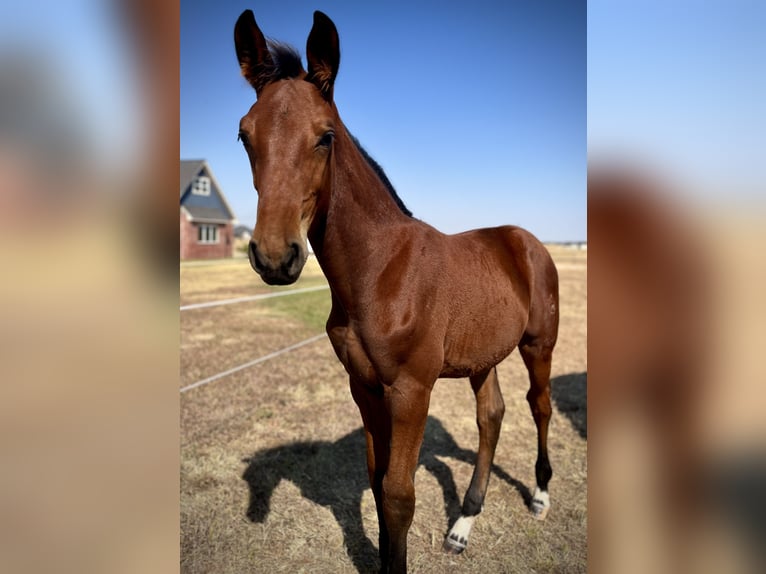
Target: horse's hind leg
{"points": [[537, 358], [489, 417]]}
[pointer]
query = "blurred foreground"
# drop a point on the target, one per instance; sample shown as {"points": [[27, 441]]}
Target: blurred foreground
{"points": [[88, 300], [677, 449], [676, 284]]}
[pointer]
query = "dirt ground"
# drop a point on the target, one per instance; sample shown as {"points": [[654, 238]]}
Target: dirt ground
{"points": [[273, 475]]}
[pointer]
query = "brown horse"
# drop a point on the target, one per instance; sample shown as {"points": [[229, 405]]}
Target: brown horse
{"points": [[409, 304]]}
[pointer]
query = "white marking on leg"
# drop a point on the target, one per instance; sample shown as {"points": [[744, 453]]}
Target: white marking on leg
{"points": [[541, 503], [457, 539]]}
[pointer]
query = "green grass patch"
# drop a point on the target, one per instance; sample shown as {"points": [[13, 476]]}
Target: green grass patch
{"points": [[311, 309]]}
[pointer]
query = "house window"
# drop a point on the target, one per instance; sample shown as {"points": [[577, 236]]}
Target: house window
{"points": [[201, 186], [207, 234]]}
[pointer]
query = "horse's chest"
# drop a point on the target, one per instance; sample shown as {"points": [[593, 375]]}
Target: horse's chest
{"points": [[350, 351]]}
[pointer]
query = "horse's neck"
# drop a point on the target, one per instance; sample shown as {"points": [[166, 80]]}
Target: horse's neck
{"points": [[359, 217]]}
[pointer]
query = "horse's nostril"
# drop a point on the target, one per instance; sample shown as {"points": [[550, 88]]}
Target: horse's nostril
{"points": [[293, 260], [276, 272], [252, 254], [293, 255]]}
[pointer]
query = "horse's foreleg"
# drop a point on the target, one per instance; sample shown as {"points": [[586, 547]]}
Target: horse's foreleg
{"points": [[407, 406], [377, 431], [537, 359], [490, 409]]}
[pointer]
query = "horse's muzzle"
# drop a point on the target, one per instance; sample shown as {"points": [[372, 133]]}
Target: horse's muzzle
{"points": [[284, 270]]}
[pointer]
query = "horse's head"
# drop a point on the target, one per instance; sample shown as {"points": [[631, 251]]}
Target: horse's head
{"points": [[288, 135]]}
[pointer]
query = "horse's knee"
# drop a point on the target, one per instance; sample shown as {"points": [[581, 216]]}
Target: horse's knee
{"points": [[398, 501]]}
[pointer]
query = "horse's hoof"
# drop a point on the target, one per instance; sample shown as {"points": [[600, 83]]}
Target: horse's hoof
{"points": [[539, 513], [454, 544], [540, 504]]}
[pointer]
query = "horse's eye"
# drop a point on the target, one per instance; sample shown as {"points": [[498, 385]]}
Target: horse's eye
{"points": [[242, 136], [326, 140]]}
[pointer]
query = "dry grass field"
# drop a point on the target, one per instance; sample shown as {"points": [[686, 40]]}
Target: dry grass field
{"points": [[273, 475]]}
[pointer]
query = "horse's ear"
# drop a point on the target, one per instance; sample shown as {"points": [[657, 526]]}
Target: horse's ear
{"points": [[323, 54], [253, 54]]}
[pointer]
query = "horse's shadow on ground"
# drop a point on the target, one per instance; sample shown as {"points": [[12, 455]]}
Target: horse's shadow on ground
{"points": [[334, 474], [569, 394]]}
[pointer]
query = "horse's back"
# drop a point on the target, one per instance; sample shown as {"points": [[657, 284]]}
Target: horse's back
{"points": [[516, 253]]}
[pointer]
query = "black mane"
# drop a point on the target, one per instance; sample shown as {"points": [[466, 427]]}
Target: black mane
{"points": [[286, 64], [382, 176]]}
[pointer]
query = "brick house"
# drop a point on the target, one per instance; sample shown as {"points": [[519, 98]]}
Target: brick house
{"points": [[207, 220]]}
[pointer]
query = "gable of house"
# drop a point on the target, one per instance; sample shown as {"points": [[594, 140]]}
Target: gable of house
{"points": [[210, 206], [206, 219]]}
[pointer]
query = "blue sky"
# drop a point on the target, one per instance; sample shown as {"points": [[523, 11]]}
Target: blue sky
{"points": [[477, 111], [680, 86], [85, 59]]}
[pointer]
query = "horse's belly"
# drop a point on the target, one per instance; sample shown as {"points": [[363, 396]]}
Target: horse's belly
{"points": [[467, 366], [470, 351]]}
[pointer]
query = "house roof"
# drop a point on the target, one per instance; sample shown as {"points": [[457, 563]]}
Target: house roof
{"points": [[216, 208], [211, 214], [242, 229], [189, 170]]}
